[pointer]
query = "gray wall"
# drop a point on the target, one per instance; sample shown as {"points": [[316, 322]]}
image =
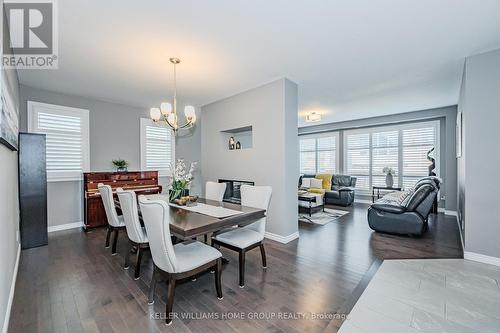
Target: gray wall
{"points": [[9, 209], [114, 133], [271, 110], [481, 107], [448, 162]]}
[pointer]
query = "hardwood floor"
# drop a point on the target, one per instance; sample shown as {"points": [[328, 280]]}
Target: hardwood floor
{"points": [[75, 285]]}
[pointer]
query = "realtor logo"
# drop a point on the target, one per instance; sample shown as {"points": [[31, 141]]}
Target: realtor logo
{"points": [[30, 34]]}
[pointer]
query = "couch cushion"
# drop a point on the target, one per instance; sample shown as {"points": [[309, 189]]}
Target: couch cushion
{"points": [[316, 183], [332, 194], [316, 190], [326, 179], [341, 180]]}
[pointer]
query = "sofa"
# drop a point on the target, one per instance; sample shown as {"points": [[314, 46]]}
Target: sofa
{"points": [[337, 191], [405, 212]]}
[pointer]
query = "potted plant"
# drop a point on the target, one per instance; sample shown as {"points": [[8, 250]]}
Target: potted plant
{"points": [[120, 164], [181, 179], [389, 176]]}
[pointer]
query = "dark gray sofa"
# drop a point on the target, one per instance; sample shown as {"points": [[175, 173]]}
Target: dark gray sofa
{"points": [[405, 213], [341, 192]]}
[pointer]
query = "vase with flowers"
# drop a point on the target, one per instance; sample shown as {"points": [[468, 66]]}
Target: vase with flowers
{"points": [[389, 176], [120, 165], [181, 179]]}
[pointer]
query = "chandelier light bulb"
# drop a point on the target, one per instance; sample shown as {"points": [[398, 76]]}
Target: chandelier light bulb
{"points": [[155, 114], [189, 112], [166, 108]]}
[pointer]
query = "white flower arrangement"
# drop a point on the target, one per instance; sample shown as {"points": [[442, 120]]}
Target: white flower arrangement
{"points": [[388, 171], [181, 177]]}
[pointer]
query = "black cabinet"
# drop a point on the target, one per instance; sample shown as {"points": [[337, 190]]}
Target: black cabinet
{"points": [[32, 190]]}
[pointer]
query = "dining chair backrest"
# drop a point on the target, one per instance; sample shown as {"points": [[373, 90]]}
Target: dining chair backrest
{"points": [[128, 204], [215, 191], [109, 205], [257, 197], [156, 217]]}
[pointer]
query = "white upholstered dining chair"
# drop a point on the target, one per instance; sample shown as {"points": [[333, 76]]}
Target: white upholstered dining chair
{"points": [[215, 191], [115, 222], [136, 233], [251, 236], [177, 261]]}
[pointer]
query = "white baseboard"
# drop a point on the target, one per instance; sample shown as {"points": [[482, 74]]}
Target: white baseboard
{"points": [[451, 213], [482, 258], [11, 293], [441, 210], [282, 239], [65, 226]]}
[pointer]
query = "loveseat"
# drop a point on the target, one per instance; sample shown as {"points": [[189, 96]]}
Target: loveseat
{"points": [[405, 212], [338, 191]]}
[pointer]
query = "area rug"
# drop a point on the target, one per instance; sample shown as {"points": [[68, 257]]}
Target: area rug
{"points": [[322, 218]]}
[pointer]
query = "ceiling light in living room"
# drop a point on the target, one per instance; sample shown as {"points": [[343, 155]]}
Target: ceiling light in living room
{"points": [[313, 117]]}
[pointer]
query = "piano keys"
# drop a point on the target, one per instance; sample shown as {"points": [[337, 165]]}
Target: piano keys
{"points": [[141, 182]]}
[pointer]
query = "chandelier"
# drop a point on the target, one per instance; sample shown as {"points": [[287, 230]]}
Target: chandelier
{"points": [[167, 113]]}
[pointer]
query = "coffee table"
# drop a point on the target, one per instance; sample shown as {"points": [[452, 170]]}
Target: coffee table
{"points": [[312, 198]]}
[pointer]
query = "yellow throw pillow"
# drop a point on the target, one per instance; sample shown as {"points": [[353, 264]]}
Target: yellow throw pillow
{"points": [[317, 190], [326, 178]]}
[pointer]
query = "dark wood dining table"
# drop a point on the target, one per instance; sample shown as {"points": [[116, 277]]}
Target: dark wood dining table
{"points": [[185, 224]]}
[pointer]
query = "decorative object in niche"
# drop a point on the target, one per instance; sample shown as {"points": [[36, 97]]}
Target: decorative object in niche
{"points": [[231, 143], [238, 145]]}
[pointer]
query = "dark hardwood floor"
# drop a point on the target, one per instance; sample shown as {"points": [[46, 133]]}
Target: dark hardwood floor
{"points": [[75, 285]]}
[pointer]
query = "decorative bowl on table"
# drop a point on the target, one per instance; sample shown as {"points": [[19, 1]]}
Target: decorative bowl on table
{"points": [[189, 200]]}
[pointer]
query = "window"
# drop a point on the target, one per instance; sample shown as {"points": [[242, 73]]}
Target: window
{"points": [[318, 154], [402, 147], [157, 147], [67, 138]]}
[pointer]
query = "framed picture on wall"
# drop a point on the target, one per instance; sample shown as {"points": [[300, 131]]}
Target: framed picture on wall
{"points": [[459, 134], [9, 116]]}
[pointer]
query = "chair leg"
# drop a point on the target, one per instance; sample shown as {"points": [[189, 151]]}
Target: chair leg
{"points": [[242, 269], [127, 257], [152, 285], [115, 240], [170, 300], [140, 251], [218, 273], [108, 235], [263, 255], [205, 238]]}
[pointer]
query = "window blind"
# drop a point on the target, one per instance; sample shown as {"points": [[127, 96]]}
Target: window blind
{"points": [[318, 154], [358, 159], [416, 143], [63, 141], [67, 138], [157, 147], [402, 147]]}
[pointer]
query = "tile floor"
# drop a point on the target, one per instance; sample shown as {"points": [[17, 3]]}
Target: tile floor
{"points": [[429, 295]]}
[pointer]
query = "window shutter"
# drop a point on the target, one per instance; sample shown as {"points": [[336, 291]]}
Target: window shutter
{"points": [[358, 159], [385, 153], [159, 150], [64, 142], [416, 143], [67, 138], [307, 156]]}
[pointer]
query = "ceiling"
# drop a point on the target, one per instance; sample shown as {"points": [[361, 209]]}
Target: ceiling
{"points": [[351, 59]]}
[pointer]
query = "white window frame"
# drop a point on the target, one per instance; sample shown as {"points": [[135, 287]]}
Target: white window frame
{"points": [[400, 128], [148, 122], [65, 111], [324, 135]]}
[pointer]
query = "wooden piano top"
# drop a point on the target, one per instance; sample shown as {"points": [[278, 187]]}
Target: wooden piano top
{"points": [[131, 180]]}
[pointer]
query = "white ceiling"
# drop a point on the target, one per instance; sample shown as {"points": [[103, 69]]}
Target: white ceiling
{"points": [[351, 59]]}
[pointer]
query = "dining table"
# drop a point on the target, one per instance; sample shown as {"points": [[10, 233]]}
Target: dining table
{"points": [[188, 222]]}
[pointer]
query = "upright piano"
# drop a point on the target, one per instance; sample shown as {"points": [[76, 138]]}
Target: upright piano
{"points": [[141, 182]]}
